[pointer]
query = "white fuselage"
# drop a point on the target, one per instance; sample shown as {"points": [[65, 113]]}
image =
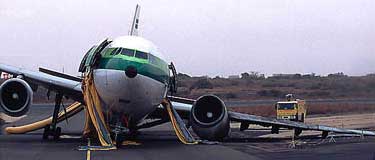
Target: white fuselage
{"points": [[134, 97]]}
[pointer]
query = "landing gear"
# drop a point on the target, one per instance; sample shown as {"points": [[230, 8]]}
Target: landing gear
{"points": [[324, 134], [53, 130], [54, 133], [120, 134], [297, 132], [172, 80], [303, 118], [119, 139], [244, 126], [275, 130]]}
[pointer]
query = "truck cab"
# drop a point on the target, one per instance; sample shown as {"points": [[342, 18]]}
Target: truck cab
{"points": [[294, 110]]}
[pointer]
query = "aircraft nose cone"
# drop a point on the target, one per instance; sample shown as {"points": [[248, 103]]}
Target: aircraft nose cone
{"points": [[131, 71]]}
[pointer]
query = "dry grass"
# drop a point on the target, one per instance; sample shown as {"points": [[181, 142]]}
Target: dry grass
{"points": [[275, 88]]}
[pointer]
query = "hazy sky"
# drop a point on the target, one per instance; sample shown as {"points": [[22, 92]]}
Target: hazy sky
{"points": [[201, 37]]}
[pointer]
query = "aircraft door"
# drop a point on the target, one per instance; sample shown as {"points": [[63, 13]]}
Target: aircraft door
{"points": [[92, 57], [172, 79]]}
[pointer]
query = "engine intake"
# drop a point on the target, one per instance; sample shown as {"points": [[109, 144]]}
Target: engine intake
{"points": [[15, 97], [209, 118]]}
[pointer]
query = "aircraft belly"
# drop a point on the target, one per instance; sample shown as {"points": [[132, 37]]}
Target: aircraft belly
{"points": [[135, 97]]}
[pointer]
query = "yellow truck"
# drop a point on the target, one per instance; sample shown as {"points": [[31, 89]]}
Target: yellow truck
{"points": [[294, 110]]}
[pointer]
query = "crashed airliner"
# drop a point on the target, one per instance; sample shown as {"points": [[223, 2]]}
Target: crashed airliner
{"points": [[125, 82]]}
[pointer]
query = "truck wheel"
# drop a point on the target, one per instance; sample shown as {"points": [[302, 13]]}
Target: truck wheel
{"points": [[302, 117]]}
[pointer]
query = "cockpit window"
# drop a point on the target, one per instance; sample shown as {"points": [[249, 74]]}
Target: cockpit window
{"points": [[286, 106], [127, 52], [140, 54], [114, 51]]}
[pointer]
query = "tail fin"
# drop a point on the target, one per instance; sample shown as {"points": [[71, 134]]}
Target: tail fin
{"points": [[134, 28]]}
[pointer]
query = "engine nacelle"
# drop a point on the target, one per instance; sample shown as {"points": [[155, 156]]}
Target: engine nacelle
{"points": [[15, 97], [209, 118]]}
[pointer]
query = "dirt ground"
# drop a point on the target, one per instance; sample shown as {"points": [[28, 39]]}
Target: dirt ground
{"points": [[353, 121]]}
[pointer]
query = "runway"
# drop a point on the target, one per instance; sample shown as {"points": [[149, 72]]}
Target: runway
{"points": [[161, 143]]}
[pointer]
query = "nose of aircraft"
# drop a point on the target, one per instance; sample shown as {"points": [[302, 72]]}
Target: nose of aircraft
{"points": [[131, 71]]}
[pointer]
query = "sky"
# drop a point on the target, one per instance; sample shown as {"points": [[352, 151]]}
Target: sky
{"points": [[214, 38]]}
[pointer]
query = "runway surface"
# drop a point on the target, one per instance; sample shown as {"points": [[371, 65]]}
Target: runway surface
{"points": [[161, 143]]}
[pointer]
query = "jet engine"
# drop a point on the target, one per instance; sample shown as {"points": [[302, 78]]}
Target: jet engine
{"points": [[209, 118], [15, 97]]}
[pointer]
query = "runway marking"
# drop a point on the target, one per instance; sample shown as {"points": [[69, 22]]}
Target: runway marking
{"points": [[88, 155]]}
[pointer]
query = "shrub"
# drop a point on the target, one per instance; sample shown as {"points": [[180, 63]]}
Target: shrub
{"points": [[319, 93], [230, 95], [202, 84], [270, 93]]}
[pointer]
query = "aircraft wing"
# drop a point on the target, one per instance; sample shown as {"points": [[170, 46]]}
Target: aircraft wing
{"points": [[51, 80], [183, 106], [265, 121]]}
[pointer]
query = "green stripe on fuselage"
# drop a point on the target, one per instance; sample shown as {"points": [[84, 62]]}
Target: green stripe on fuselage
{"points": [[158, 71]]}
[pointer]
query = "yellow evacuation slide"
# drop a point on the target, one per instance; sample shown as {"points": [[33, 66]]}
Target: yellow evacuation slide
{"points": [[94, 114], [70, 111], [179, 127]]}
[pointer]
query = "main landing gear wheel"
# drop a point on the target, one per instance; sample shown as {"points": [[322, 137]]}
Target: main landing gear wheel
{"points": [[119, 140], [303, 118], [52, 129], [49, 132], [45, 133], [57, 134]]}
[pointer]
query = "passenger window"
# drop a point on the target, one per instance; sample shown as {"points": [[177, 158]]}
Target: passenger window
{"points": [[127, 52], [140, 54]]}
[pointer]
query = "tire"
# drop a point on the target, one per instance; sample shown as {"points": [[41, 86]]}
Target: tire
{"points": [[46, 132], [57, 133], [303, 118], [118, 140]]}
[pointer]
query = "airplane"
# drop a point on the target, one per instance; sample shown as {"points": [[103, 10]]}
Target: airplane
{"points": [[135, 85]]}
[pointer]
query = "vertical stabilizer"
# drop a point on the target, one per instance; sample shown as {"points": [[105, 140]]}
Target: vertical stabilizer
{"points": [[135, 24]]}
